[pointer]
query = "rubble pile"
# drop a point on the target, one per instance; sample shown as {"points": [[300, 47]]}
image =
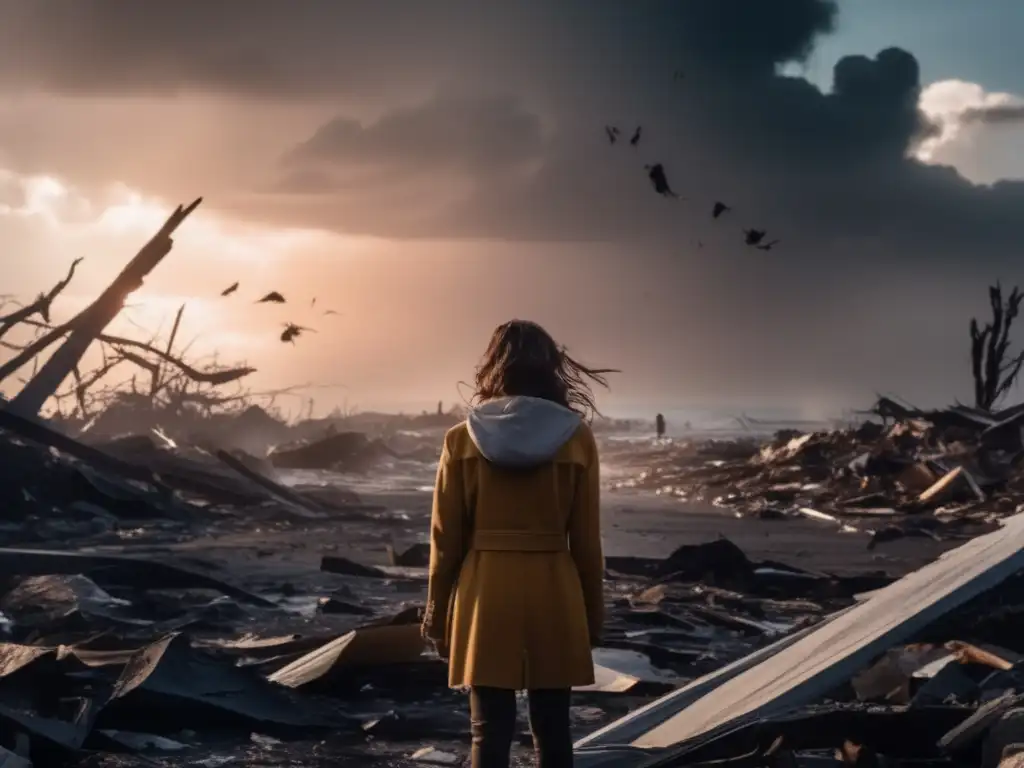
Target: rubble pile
{"points": [[251, 428], [118, 648], [150, 661], [708, 604], [113, 654], [927, 670], [58, 489], [947, 474], [933, 703], [344, 451], [114, 642]]}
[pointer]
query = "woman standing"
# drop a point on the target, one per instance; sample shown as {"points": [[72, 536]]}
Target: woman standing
{"points": [[515, 596]]}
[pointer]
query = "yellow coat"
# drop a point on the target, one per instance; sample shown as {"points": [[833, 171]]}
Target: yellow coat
{"points": [[516, 565]]}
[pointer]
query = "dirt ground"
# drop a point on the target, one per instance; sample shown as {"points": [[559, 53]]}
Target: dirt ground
{"points": [[634, 524]]}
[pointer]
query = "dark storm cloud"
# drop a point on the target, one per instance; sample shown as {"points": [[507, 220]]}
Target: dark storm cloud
{"points": [[449, 132], [751, 38], [998, 114], [809, 166], [330, 47], [262, 48]]}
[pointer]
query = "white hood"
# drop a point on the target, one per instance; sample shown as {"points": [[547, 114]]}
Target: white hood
{"points": [[521, 431]]}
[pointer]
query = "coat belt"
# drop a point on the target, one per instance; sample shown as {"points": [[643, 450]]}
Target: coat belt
{"points": [[519, 541]]}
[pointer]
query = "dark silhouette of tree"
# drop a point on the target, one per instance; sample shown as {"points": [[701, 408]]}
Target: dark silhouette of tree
{"points": [[993, 369]]}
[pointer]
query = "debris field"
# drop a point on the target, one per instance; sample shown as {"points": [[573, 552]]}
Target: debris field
{"points": [[120, 648], [946, 475]]}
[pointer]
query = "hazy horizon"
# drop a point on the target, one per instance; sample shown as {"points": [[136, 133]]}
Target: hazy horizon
{"points": [[430, 172], [697, 415]]}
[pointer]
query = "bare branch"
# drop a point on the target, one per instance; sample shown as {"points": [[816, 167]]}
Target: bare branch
{"points": [[140, 361], [40, 306], [156, 384], [225, 376], [994, 373]]}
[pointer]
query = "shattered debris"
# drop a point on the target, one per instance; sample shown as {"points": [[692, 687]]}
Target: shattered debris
{"points": [[112, 644], [888, 677], [947, 475], [367, 647], [346, 451], [117, 631]]}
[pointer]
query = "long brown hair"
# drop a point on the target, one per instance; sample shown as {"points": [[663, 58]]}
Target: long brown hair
{"points": [[522, 359]]}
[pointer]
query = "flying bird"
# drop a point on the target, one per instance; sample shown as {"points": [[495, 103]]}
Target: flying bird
{"points": [[313, 302], [753, 236], [700, 243], [229, 290], [273, 297], [768, 246], [636, 136], [330, 312], [719, 209], [613, 133], [292, 331], [678, 75], [656, 173]]}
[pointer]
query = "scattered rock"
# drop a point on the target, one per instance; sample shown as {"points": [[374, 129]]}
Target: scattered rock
{"points": [[434, 757]]}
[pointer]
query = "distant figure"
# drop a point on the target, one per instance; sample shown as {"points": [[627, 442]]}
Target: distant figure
{"points": [[515, 600], [659, 425], [440, 407]]}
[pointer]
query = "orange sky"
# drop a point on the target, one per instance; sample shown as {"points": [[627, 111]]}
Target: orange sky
{"points": [[399, 341]]}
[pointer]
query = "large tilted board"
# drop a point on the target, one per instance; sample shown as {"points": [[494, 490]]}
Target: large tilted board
{"points": [[808, 669]]}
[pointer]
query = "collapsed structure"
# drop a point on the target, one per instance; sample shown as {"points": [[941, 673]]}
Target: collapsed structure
{"points": [[146, 638], [807, 691], [934, 655], [948, 474]]}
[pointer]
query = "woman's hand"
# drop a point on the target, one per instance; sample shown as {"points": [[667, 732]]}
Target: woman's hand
{"points": [[439, 645], [440, 648]]}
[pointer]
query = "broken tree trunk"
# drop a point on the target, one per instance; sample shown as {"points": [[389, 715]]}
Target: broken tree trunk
{"points": [[90, 323]]}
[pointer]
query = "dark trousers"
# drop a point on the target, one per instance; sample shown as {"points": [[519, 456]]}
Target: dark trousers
{"points": [[493, 714]]}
